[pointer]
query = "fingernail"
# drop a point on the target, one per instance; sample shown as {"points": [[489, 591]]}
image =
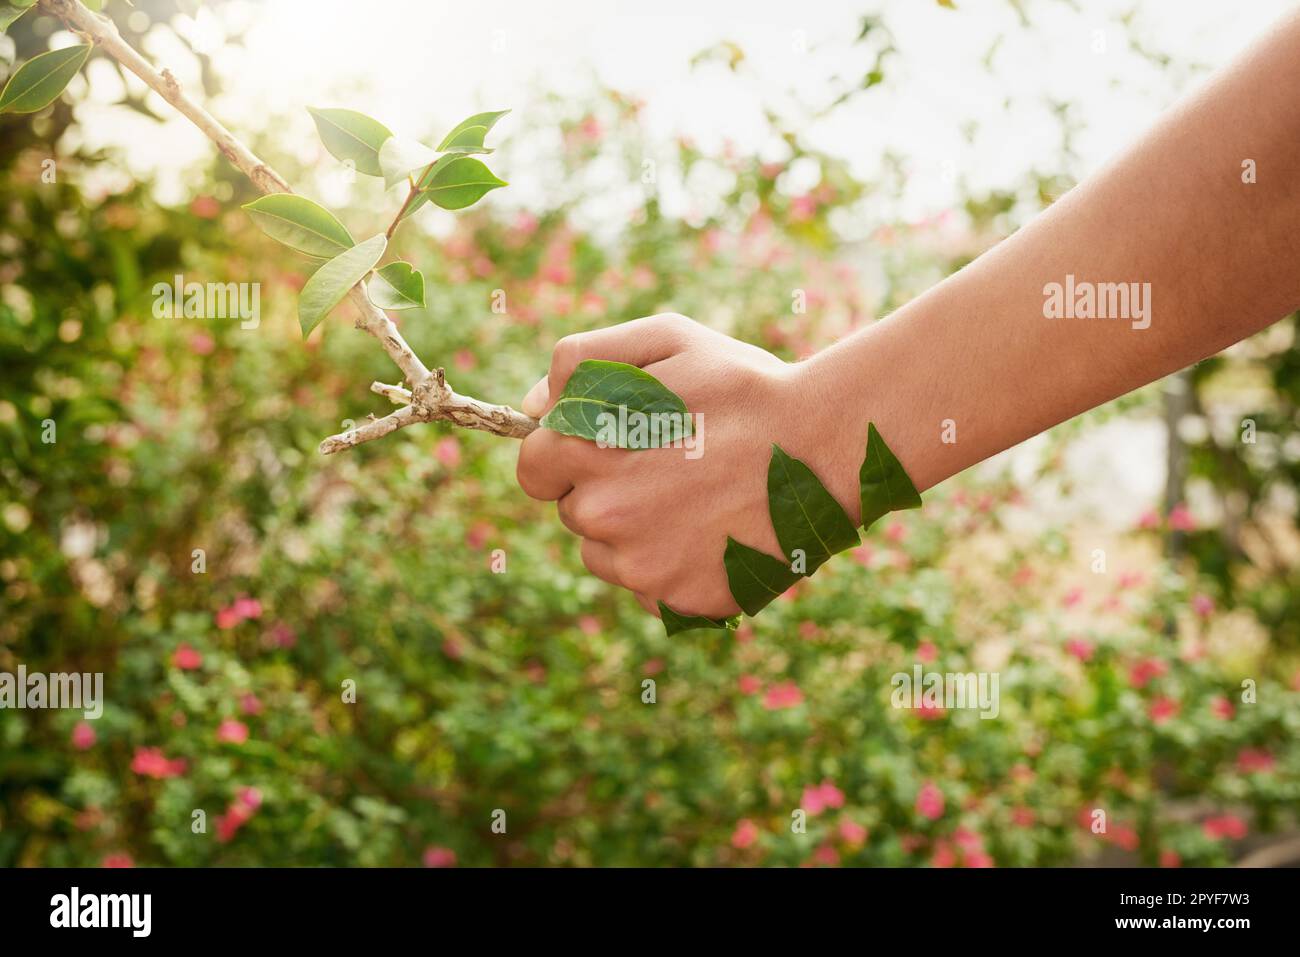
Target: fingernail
{"points": [[534, 403]]}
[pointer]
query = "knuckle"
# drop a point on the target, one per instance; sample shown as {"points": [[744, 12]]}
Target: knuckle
{"points": [[567, 351]]}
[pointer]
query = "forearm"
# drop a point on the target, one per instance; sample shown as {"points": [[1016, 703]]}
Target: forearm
{"points": [[1221, 256]]}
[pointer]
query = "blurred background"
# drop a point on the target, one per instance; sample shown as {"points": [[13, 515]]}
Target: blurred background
{"points": [[183, 536]]}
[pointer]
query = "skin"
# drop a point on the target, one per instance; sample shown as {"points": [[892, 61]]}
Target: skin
{"points": [[1222, 257]]}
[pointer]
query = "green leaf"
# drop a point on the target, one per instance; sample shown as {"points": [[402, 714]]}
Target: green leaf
{"points": [[300, 224], [398, 285], [806, 516], [38, 82], [352, 136], [674, 623], [884, 485], [468, 135], [461, 182], [10, 11], [327, 287], [755, 578], [398, 158], [601, 402]]}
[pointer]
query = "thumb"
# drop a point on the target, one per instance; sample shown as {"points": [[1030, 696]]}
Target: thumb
{"points": [[639, 343], [537, 399]]}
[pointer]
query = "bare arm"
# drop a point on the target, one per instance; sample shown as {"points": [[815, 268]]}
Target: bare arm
{"points": [[1204, 257]]}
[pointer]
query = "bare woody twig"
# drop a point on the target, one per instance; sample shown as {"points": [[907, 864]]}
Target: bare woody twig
{"points": [[430, 398]]}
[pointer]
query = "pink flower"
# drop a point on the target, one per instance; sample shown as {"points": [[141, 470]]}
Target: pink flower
{"points": [[1130, 579], [186, 658], [826, 855], [968, 840], [280, 635], [1253, 760], [231, 731], [117, 860], [979, 859], [1223, 708], [824, 795], [896, 531], [745, 834], [247, 607], [1224, 825], [944, 856], [808, 630], [202, 344], [653, 666], [862, 555], [1079, 648], [1022, 816], [250, 704], [152, 763], [1072, 597], [478, 534], [1149, 519], [1170, 859], [783, 694], [439, 857], [929, 801], [227, 618], [83, 736], [1162, 709], [927, 651], [589, 625], [927, 711], [465, 360], [205, 207], [1142, 672], [1124, 837], [1180, 519], [851, 832], [447, 452], [250, 798], [749, 684], [1203, 605]]}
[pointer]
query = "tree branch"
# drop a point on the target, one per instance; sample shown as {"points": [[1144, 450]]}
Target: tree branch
{"points": [[431, 397]]}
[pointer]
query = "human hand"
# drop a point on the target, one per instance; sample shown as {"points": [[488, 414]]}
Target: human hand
{"points": [[656, 521]]}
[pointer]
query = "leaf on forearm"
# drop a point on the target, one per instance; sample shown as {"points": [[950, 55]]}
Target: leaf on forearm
{"points": [[327, 287], [398, 285], [300, 224], [461, 182], [468, 135], [620, 406], [755, 578], [38, 82], [809, 522], [352, 137], [398, 158], [884, 485], [674, 623]]}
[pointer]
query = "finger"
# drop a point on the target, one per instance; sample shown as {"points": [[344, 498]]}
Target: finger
{"points": [[580, 513], [639, 343], [535, 401], [599, 559], [550, 463]]}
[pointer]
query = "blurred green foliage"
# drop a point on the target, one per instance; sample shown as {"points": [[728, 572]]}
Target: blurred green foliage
{"points": [[346, 681]]}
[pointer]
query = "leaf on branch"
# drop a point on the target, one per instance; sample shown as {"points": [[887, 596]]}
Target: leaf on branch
{"points": [[300, 224], [674, 623], [398, 158], [352, 137], [398, 285], [327, 287], [602, 398], [11, 11], [38, 82], [461, 182], [756, 578], [468, 135], [806, 516], [884, 485]]}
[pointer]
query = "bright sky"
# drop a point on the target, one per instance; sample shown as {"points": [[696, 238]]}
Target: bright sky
{"points": [[417, 64]]}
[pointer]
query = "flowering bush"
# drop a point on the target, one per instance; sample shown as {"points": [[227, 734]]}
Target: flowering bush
{"points": [[365, 660]]}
